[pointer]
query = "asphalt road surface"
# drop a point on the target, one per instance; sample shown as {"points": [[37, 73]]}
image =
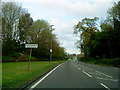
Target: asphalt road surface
{"points": [[75, 74]]}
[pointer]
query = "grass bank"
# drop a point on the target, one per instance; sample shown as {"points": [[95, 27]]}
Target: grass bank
{"points": [[17, 57], [114, 62], [16, 74]]}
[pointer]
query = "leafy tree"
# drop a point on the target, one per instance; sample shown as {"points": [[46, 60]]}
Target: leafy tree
{"points": [[24, 25], [102, 43], [41, 33], [114, 12], [112, 29], [86, 30], [11, 12], [19, 28]]}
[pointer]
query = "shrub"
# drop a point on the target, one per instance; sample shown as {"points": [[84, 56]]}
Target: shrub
{"points": [[116, 62], [106, 61]]}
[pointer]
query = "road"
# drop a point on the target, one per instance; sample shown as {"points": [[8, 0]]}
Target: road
{"points": [[75, 74]]}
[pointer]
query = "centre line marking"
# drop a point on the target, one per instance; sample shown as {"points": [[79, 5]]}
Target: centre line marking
{"points": [[44, 77], [105, 86], [87, 74], [104, 74], [107, 79], [79, 68]]}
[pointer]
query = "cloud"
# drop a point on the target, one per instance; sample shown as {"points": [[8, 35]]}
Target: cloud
{"points": [[65, 7], [64, 31], [77, 8]]}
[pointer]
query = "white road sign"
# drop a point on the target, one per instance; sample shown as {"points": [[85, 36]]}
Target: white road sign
{"points": [[31, 45], [50, 50]]}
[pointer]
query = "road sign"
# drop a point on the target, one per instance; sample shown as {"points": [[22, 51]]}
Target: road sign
{"points": [[50, 50], [31, 45]]}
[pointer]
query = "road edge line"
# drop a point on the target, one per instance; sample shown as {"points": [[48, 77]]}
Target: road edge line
{"points": [[44, 77], [105, 86]]}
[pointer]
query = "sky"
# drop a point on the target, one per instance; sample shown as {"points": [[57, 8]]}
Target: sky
{"points": [[64, 14]]}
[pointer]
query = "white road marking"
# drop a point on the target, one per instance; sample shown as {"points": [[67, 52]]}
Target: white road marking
{"points": [[107, 75], [105, 86], [74, 65], [97, 72], [107, 79], [104, 74], [44, 77], [79, 68], [87, 74], [83, 71]]}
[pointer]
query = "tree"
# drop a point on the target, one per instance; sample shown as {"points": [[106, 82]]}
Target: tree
{"points": [[11, 12], [106, 43], [41, 33], [114, 12], [19, 28], [112, 28], [103, 43], [24, 25], [86, 30]]}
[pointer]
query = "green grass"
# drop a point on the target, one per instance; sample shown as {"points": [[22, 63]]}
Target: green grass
{"points": [[17, 74], [103, 62], [99, 63]]}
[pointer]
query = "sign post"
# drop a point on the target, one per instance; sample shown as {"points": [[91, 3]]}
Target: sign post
{"points": [[30, 46], [50, 55]]}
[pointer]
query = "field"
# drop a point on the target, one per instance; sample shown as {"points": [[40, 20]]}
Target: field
{"points": [[16, 74]]}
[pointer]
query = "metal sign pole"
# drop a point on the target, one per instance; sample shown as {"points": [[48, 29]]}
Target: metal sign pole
{"points": [[29, 58], [30, 46]]}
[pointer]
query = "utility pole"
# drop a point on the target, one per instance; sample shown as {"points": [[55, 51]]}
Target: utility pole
{"points": [[51, 45]]}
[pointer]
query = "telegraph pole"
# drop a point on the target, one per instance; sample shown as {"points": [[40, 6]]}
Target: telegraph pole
{"points": [[51, 44]]}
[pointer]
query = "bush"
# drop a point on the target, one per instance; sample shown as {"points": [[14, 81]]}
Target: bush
{"points": [[11, 57], [15, 56], [106, 61], [116, 62]]}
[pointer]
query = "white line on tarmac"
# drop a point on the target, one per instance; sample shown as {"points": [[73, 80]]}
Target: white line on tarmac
{"points": [[44, 77], [79, 68], [105, 86], [107, 79], [83, 71], [86, 73], [104, 74]]}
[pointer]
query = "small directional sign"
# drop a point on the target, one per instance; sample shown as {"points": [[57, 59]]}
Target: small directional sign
{"points": [[50, 50], [31, 45]]}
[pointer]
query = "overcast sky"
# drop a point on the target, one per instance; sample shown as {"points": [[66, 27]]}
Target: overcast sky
{"points": [[64, 14]]}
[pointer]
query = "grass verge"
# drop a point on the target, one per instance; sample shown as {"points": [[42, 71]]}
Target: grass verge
{"points": [[114, 62], [17, 74]]}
